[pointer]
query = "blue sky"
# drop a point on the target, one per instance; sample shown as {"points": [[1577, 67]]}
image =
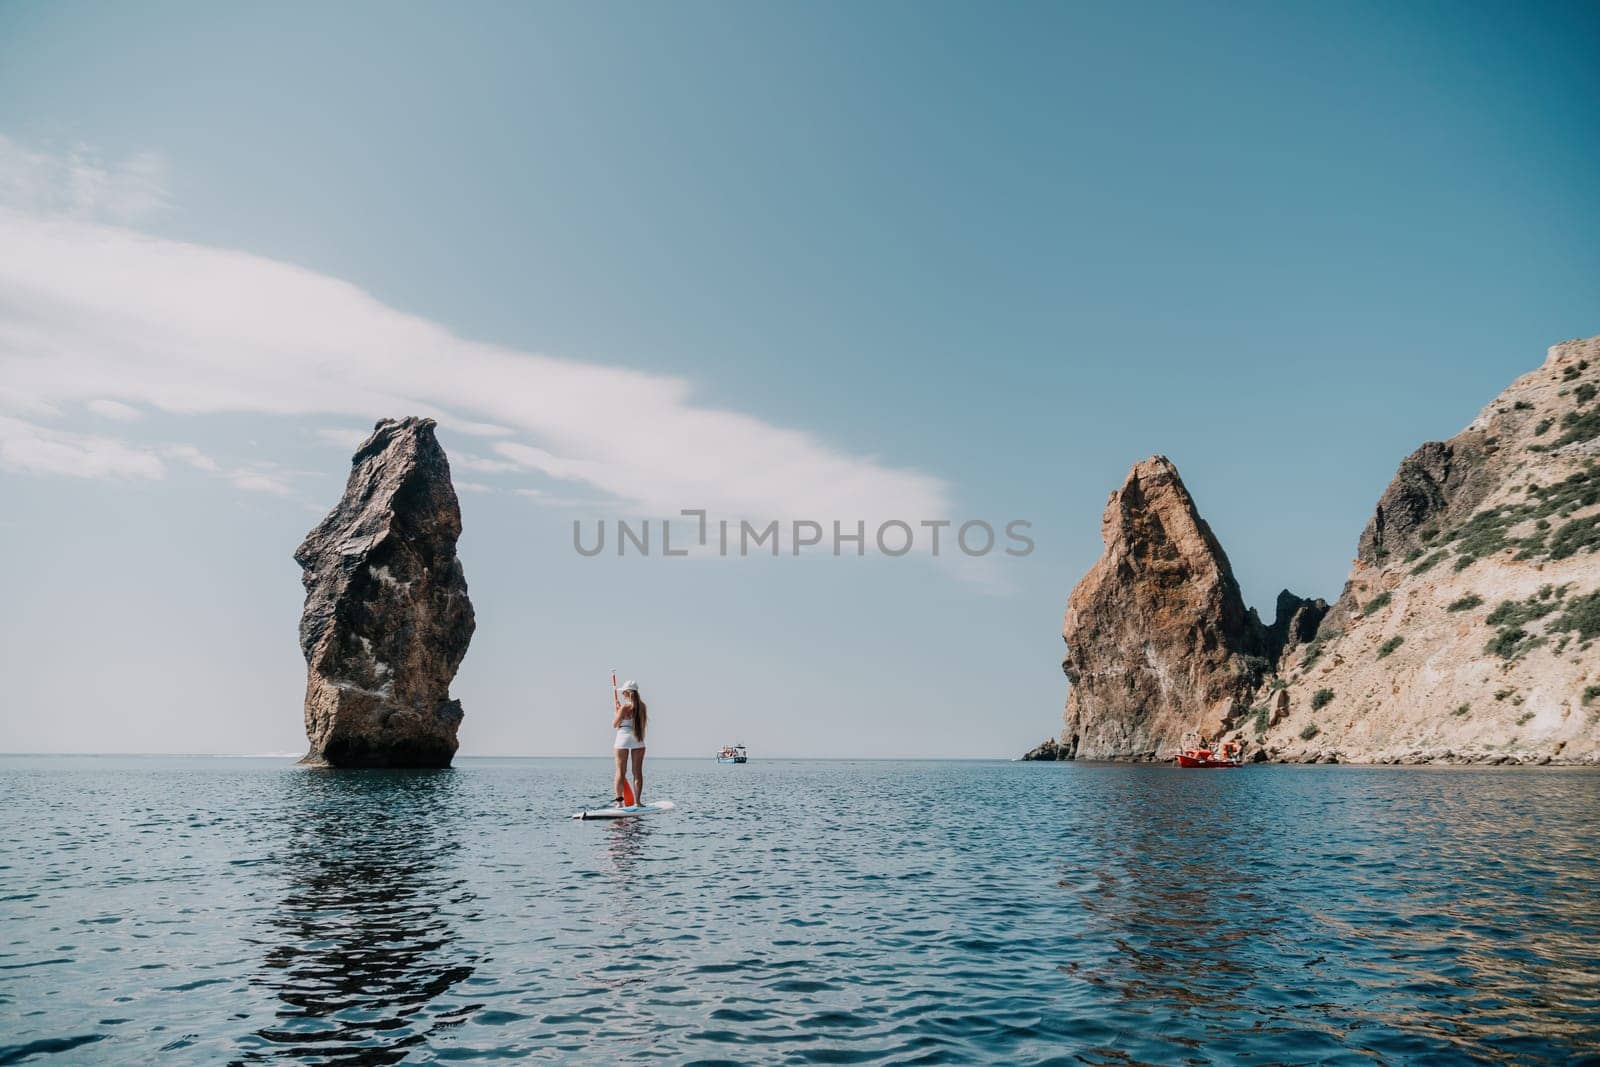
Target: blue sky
{"points": [[835, 259]]}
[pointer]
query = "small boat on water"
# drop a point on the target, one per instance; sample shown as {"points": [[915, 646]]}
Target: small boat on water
{"points": [[1198, 756], [733, 754]]}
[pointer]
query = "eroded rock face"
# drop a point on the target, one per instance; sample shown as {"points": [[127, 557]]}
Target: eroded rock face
{"points": [[1296, 624], [387, 619], [1468, 630], [1435, 481], [1159, 642]]}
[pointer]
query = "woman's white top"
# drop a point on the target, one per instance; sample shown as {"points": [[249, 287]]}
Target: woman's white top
{"points": [[625, 738]]}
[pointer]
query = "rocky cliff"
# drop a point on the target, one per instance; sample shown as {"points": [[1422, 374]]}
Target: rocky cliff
{"points": [[387, 619], [1159, 642], [1464, 633]]}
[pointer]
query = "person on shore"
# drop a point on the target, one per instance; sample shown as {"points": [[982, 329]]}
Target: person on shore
{"points": [[629, 722]]}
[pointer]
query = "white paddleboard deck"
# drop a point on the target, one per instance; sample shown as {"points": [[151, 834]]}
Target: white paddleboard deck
{"points": [[625, 813]]}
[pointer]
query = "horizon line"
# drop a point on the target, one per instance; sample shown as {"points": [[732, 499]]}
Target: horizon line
{"points": [[482, 756]]}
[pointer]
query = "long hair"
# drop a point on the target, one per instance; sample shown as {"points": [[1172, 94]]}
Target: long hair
{"points": [[640, 712]]}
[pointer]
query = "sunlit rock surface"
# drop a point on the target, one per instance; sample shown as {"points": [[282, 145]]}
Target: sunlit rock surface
{"points": [[387, 619]]}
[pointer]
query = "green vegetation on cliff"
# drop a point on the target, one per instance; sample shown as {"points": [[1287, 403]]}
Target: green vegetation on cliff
{"points": [[1582, 615], [1489, 531]]}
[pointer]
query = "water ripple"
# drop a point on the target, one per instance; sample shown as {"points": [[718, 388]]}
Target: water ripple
{"points": [[241, 911]]}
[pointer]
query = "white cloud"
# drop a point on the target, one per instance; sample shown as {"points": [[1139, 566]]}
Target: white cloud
{"points": [[481, 429], [81, 185], [571, 470], [590, 509], [255, 481], [95, 312], [468, 461], [113, 409], [473, 487], [26, 448], [345, 439], [192, 456]]}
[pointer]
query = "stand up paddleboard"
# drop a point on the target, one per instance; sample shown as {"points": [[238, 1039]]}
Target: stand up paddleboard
{"points": [[624, 813]]}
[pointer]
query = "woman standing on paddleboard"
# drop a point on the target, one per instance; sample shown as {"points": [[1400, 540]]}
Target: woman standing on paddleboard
{"points": [[629, 722]]}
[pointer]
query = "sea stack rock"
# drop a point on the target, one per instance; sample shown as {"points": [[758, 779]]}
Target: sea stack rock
{"points": [[1159, 642], [387, 619]]}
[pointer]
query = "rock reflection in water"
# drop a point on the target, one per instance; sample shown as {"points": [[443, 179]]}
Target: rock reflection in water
{"points": [[361, 949], [1282, 906], [1174, 897]]}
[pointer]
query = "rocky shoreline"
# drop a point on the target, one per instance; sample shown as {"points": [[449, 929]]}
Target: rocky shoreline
{"points": [[1464, 634], [1052, 751]]}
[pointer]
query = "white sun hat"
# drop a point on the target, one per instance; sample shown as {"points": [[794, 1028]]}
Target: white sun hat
{"points": [[630, 687]]}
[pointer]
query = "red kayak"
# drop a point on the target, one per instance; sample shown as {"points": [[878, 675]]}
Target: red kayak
{"points": [[1205, 757]]}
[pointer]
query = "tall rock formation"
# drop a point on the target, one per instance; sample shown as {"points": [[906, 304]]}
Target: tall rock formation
{"points": [[1465, 632], [1159, 643], [387, 619]]}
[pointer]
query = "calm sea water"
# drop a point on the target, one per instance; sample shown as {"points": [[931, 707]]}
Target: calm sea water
{"points": [[242, 911]]}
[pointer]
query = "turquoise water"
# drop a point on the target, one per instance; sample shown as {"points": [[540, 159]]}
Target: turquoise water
{"points": [[241, 911]]}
